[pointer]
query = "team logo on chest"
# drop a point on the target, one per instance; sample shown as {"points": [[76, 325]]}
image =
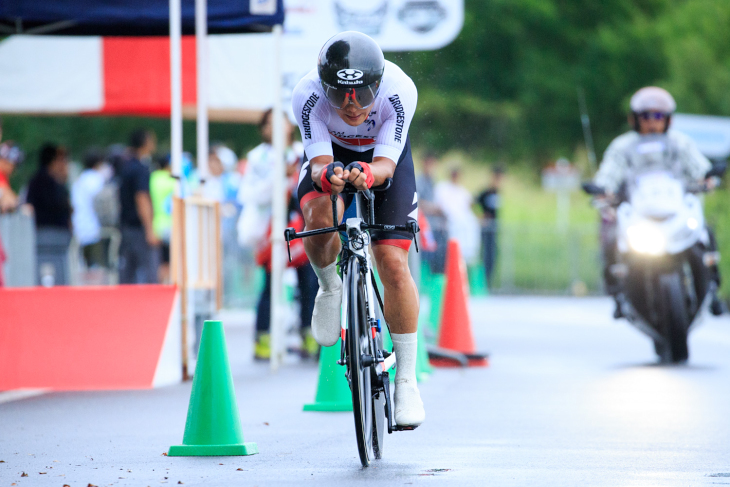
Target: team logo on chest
{"points": [[353, 139]]}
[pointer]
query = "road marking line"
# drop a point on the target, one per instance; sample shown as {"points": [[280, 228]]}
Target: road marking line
{"points": [[18, 394]]}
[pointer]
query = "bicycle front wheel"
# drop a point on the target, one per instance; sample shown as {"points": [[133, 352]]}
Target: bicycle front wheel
{"points": [[358, 344]]}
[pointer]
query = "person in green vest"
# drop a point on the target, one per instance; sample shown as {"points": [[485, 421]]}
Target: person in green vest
{"points": [[162, 189]]}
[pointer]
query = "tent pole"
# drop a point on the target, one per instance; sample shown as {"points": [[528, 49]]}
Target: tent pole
{"points": [[201, 47], [278, 213], [176, 161]]}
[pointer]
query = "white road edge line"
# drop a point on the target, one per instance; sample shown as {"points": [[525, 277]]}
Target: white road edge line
{"points": [[18, 394]]}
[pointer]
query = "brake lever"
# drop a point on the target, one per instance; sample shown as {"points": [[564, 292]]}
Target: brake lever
{"points": [[414, 229], [287, 235]]}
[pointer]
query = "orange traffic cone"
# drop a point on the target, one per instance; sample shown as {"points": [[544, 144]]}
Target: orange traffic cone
{"points": [[455, 334]]}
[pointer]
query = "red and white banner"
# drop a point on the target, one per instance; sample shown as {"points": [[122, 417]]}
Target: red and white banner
{"points": [[130, 76]]}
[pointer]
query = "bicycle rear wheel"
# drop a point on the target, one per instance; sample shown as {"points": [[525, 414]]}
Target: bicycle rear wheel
{"points": [[360, 377]]}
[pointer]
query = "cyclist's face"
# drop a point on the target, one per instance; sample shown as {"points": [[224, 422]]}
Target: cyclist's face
{"points": [[352, 115]]}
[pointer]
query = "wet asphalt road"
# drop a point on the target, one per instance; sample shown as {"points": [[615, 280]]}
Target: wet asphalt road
{"points": [[571, 398]]}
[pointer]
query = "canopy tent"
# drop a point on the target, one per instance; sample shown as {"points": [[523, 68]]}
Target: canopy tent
{"points": [[133, 17], [173, 17]]}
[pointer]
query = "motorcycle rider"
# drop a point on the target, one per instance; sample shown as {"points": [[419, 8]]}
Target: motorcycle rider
{"points": [[651, 112]]}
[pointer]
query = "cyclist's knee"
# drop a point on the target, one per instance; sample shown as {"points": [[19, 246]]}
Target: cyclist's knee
{"points": [[392, 265], [318, 213]]}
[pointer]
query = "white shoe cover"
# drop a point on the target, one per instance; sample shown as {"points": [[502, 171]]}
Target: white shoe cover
{"points": [[326, 316], [408, 405]]}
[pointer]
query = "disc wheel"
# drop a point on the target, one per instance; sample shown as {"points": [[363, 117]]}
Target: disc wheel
{"points": [[358, 343]]}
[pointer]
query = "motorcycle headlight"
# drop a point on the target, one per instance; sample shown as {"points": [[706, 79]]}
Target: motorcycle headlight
{"points": [[646, 239]]}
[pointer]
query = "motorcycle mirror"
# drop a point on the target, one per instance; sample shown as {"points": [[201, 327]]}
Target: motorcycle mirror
{"points": [[718, 170], [593, 189]]}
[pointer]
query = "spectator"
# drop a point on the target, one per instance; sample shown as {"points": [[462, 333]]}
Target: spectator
{"points": [[10, 156], [489, 201], [223, 181], [138, 252], [48, 195], [255, 196], [435, 216], [162, 190], [86, 225], [455, 202]]}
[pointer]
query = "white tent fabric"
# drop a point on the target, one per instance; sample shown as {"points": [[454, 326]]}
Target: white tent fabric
{"points": [[51, 75]]}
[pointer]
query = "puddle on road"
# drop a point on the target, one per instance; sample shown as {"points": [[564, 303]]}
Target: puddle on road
{"points": [[431, 472]]}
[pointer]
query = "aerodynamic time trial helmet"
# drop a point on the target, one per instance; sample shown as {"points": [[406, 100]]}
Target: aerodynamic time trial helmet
{"points": [[350, 68]]}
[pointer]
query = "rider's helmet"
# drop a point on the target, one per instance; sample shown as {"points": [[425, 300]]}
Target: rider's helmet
{"points": [[350, 68], [652, 99]]}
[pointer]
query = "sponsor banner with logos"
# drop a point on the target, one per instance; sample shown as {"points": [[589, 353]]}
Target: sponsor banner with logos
{"points": [[397, 25]]}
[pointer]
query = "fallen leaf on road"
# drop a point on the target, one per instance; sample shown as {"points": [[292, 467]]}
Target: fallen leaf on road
{"points": [[42, 473], [164, 454], [66, 485], [91, 485], [240, 469], [220, 464], [23, 474], [266, 423], [179, 482], [2, 461]]}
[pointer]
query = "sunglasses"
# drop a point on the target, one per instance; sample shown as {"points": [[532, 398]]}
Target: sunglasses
{"points": [[361, 97], [653, 116]]}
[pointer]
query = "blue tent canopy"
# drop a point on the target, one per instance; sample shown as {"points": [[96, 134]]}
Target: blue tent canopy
{"points": [[128, 17]]}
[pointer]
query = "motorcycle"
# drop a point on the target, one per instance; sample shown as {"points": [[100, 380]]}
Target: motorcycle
{"points": [[666, 265]]}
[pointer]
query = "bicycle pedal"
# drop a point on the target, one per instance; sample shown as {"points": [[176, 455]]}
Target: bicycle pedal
{"points": [[405, 428]]}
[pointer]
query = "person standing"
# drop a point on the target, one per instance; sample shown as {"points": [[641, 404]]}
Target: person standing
{"points": [[138, 257], [489, 201], [51, 202], [436, 219], [255, 195], [455, 201], [162, 191], [86, 226], [10, 156]]}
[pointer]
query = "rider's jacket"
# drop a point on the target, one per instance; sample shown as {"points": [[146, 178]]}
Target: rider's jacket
{"points": [[631, 153], [385, 129]]}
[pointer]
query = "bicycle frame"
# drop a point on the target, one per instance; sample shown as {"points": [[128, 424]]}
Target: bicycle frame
{"points": [[357, 245]]}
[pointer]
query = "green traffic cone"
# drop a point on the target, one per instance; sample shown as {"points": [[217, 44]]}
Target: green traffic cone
{"points": [[333, 392], [423, 367], [213, 427], [436, 298]]}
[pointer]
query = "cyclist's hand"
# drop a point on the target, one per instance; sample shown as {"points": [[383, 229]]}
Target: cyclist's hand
{"points": [[359, 175], [331, 180]]}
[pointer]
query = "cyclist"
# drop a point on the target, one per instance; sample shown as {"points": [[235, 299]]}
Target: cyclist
{"points": [[354, 111]]}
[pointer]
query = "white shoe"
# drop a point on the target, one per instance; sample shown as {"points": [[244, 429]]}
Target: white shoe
{"points": [[326, 316], [408, 405]]}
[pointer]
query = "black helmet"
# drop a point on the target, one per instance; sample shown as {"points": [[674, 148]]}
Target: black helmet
{"points": [[350, 68]]}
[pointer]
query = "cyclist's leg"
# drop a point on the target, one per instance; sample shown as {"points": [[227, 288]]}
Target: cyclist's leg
{"points": [[322, 251], [396, 206]]}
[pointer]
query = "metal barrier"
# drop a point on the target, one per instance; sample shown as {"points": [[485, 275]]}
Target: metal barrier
{"points": [[19, 240], [546, 259]]}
